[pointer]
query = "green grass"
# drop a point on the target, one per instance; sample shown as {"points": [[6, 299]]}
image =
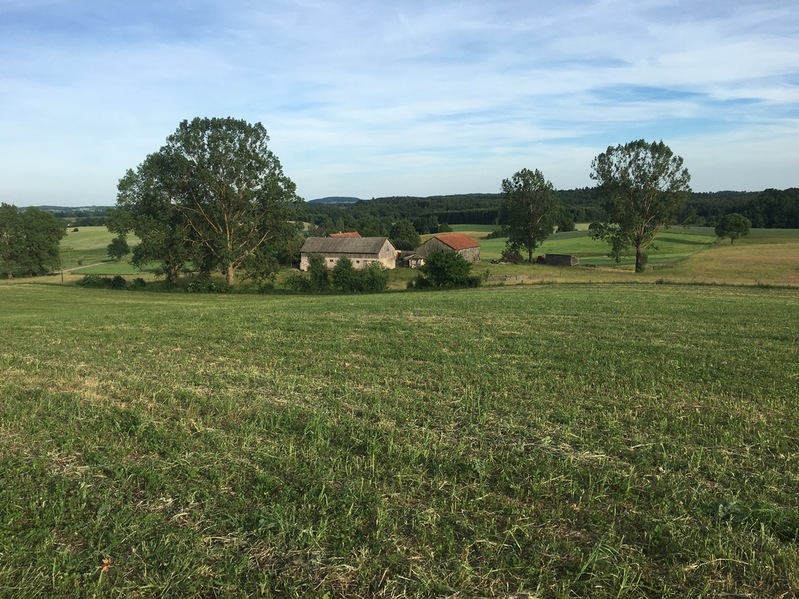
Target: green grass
{"points": [[557, 440], [672, 245]]}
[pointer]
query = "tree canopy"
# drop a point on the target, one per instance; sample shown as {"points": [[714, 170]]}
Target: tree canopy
{"points": [[214, 194], [29, 241], [530, 210], [643, 186], [733, 225]]}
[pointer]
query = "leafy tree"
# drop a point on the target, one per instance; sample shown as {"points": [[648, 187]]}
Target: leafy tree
{"points": [[643, 186], [118, 248], [404, 236], [144, 206], [222, 190], [733, 225], [29, 241], [530, 210], [565, 223]]}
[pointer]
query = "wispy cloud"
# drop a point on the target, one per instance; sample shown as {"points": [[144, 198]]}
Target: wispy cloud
{"points": [[373, 98]]}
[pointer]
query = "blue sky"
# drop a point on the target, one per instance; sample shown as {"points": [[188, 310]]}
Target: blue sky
{"points": [[372, 98]]}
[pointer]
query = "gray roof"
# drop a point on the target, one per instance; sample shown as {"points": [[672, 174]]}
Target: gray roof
{"points": [[343, 245]]}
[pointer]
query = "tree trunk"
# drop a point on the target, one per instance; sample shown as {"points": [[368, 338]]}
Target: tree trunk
{"points": [[640, 260], [230, 275], [530, 255]]}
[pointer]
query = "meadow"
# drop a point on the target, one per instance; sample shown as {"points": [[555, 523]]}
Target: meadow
{"points": [[597, 440]]}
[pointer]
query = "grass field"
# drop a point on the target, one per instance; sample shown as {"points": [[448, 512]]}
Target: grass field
{"points": [[680, 255], [586, 440], [596, 439]]}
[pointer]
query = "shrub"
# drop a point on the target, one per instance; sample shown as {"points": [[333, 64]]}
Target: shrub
{"points": [[207, 286], [296, 281], [118, 282], [344, 276], [317, 272], [373, 278], [94, 281], [447, 270]]}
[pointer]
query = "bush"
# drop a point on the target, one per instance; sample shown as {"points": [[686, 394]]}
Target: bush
{"points": [[296, 281], [94, 281], [344, 276], [317, 272], [373, 278], [446, 270], [118, 282], [207, 286], [139, 283]]}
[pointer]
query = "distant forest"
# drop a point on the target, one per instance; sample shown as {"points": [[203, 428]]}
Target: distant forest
{"points": [[771, 208]]}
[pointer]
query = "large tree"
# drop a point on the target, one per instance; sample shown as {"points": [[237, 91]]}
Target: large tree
{"points": [[530, 210], [643, 186], [29, 241], [220, 190]]}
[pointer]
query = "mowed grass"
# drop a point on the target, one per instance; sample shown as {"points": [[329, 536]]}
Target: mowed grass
{"points": [[673, 244], [555, 440]]}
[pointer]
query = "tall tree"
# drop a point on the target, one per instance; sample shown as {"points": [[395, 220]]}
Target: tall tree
{"points": [[530, 210], [222, 185], [643, 186], [145, 206]]}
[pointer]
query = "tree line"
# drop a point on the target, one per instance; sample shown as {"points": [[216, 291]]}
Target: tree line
{"points": [[770, 208], [214, 199]]}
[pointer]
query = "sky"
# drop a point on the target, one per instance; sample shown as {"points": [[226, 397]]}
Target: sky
{"points": [[369, 98]]}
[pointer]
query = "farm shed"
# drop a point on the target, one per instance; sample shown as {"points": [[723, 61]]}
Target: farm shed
{"points": [[451, 242], [362, 251], [341, 235], [561, 260]]}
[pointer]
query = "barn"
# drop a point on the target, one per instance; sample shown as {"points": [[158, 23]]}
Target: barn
{"points": [[362, 251], [451, 242]]}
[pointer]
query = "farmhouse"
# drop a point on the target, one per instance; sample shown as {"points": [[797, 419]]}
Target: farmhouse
{"points": [[451, 242], [362, 251]]}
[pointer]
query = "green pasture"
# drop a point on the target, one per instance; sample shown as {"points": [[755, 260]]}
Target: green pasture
{"points": [[680, 254], [672, 245], [583, 440]]}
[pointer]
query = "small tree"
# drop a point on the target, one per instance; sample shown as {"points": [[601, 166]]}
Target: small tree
{"points": [[733, 225], [344, 277], [317, 271], [118, 248], [373, 278], [403, 235], [530, 210]]}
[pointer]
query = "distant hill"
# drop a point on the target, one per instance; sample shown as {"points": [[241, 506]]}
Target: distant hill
{"points": [[334, 200]]}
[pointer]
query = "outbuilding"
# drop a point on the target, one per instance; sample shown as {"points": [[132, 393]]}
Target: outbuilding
{"points": [[362, 251], [451, 242]]}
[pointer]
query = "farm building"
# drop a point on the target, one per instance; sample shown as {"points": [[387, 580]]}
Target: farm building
{"points": [[561, 260], [451, 242], [341, 235], [362, 251]]}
